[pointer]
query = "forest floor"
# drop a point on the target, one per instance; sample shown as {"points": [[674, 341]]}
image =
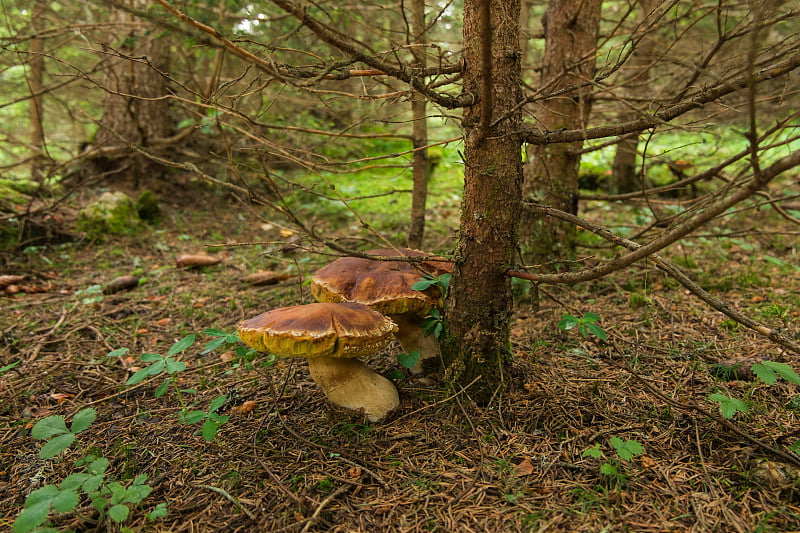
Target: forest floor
{"points": [[286, 460]]}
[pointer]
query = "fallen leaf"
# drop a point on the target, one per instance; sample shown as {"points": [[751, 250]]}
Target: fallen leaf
{"points": [[354, 472], [647, 462], [525, 468], [196, 260], [10, 279], [265, 277], [61, 397], [245, 408], [163, 321]]}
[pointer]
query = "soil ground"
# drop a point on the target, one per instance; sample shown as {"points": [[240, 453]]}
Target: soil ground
{"points": [[286, 460]]}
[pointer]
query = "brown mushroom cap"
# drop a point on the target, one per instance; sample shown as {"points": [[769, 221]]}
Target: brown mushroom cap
{"points": [[318, 330], [383, 285]]}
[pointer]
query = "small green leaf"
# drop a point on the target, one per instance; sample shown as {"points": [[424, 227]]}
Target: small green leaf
{"points": [[49, 427], [150, 357], [137, 493], [32, 517], [118, 352], [159, 511], [626, 450], [764, 373], [213, 345], [408, 360], [608, 469], [783, 370], [93, 483], [98, 466], [213, 332], [66, 500], [46, 493], [594, 451], [83, 419], [161, 389], [73, 481], [181, 345], [56, 445], [444, 283], [140, 479], [172, 366], [138, 377], [597, 331], [194, 417], [567, 322], [118, 513], [216, 403], [589, 318], [209, 429], [423, 284], [729, 406]]}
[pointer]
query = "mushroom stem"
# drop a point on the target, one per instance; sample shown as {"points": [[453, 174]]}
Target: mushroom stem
{"points": [[349, 383], [411, 338]]}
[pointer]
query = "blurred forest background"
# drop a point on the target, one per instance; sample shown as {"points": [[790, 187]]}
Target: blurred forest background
{"points": [[633, 159]]}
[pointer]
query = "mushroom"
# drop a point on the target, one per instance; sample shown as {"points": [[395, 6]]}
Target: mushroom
{"points": [[330, 336], [385, 286]]}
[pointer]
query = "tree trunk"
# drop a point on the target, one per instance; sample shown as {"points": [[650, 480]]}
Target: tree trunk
{"points": [[134, 111], [419, 195], [36, 86], [571, 29], [623, 172], [478, 309]]}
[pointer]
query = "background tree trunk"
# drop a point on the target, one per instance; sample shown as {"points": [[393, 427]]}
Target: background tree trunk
{"points": [[624, 176], [134, 110], [476, 342], [36, 85], [419, 195], [571, 29]]}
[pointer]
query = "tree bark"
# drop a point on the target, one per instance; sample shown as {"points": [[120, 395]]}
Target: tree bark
{"points": [[420, 168], [623, 172], [134, 110], [475, 346], [571, 30], [36, 85]]}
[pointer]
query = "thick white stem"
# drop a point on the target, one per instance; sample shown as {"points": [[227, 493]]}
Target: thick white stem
{"points": [[411, 338], [349, 383]]}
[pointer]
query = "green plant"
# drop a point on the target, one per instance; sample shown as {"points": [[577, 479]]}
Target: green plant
{"points": [[768, 372], [110, 498], [625, 450], [212, 421], [586, 324], [158, 364], [92, 294]]}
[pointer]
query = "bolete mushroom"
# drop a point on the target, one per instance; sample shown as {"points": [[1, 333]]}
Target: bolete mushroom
{"points": [[385, 286], [330, 336]]}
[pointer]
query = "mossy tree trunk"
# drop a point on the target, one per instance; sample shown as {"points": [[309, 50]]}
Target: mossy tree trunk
{"points": [[478, 309], [571, 29]]}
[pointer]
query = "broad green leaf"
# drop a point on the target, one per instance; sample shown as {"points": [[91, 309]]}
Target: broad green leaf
{"points": [[783, 370], [118, 352], [209, 430], [156, 368], [46, 493], [608, 469], [590, 318], [56, 445], [213, 332], [140, 479], [408, 360], [194, 417], [729, 406], [181, 345], [98, 466], [594, 451], [48, 427], [32, 517], [597, 331], [67, 500], [94, 483], [138, 377], [567, 322], [172, 366], [159, 392], [74, 481], [216, 403], [444, 282], [423, 284], [137, 493], [764, 373], [118, 513], [626, 450], [83, 419], [150, 357], [213, 345], [159, 511]]}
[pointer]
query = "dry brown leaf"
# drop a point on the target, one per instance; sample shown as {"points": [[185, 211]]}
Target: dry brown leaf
{"points": [[227, 356], [245, 408], [196, 260], [10, 279], [354, 472], [61, 397], [525, 468], [265, 277]]}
